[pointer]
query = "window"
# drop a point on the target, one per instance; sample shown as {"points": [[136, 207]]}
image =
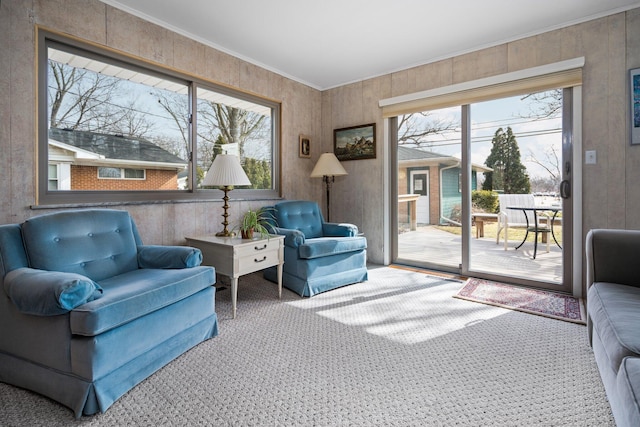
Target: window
{"points": [[107, 116], [53, 177], [119, 173]]}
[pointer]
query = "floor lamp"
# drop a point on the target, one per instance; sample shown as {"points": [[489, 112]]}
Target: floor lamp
{"points": [[225, 172], [328, 167]]}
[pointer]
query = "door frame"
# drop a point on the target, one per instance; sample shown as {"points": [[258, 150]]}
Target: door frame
{"points": [[572, 230]]}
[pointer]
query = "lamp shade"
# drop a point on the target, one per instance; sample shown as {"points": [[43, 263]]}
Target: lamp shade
{"points": [[328, 165], [225, 170]]}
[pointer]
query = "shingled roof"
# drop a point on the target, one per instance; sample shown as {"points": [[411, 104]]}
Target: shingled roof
{"points": [[115, 146], [408, 153]]}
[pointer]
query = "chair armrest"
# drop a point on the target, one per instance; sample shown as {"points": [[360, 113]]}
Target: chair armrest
{"points": [[502, 218], [158, 256], [49, 293], [332, 229], [612, 256], [292, 238]]}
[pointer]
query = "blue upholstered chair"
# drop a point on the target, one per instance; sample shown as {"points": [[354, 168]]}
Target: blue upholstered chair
{"points": [[318, 256]]}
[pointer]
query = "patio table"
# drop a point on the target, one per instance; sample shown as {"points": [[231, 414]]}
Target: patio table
{"points": [[538, 228]]}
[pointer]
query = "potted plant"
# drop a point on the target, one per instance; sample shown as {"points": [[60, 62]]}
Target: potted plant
{"points": [[259, 221]]}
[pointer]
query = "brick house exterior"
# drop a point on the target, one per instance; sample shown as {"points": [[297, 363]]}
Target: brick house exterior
{"points": [[82, 160]]}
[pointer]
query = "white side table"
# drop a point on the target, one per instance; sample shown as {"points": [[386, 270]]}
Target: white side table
{"points": [[234, 257]]}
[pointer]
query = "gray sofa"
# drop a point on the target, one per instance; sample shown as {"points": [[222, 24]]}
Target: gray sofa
{"points": [[87, 311], [613, 317]]}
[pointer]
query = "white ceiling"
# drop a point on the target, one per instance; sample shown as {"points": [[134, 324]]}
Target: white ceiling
{"points": [[328, 43]]}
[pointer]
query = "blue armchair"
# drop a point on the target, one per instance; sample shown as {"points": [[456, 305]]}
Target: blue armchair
{"points": [[318, 256], [87, 311]]}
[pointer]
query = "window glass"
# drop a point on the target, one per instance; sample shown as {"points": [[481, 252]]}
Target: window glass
{"points": [[100, 114], [230, 125], [134, 173], [104, 111], [53, 177]]}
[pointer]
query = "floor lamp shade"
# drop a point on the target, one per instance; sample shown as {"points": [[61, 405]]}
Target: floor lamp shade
{"points": [[226, 172], [328, 167]]}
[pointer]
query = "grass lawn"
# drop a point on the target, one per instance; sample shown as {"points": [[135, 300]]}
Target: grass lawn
{"points": [[490, 229]]}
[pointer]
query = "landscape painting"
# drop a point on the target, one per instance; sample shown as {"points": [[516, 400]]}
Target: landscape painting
{"points": [[355, 142]]}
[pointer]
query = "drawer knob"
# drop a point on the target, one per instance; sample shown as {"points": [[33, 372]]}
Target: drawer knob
{"points": [[260, 260], [259, 249]]}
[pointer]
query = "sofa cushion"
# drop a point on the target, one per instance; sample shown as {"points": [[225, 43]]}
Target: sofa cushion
{"points": [[628, 387], [97, 243], [614, 309], [134, 294], [325, 246], [49, 293], [152, 256]]}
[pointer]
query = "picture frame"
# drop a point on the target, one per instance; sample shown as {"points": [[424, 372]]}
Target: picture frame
{"points": [[355, 142], [304, 146], [634, 98]]}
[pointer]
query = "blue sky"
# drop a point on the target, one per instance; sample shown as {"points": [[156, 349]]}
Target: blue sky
{"points": [[535, 137]]}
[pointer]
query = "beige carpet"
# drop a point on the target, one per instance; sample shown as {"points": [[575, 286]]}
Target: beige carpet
{"points": [[397, 350]]}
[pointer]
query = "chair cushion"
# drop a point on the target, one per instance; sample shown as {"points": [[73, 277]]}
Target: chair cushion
{"points": [[49, 293], [325, 246], [613, 309], [136, 293]]}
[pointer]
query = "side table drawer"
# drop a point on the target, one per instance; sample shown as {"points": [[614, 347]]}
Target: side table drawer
{"points": [[258, 247], [257, 260]]}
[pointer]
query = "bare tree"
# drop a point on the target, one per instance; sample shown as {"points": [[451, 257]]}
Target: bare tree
{"points": [[545, 104], [84, 100], [414, 128], [549, 160], [176, 105], [236, 126]]}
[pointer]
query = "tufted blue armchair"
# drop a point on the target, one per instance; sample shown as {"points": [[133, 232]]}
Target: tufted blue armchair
{"points": [[318, 256]]}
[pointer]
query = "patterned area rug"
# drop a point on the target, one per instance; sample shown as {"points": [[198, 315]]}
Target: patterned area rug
{"points": [[534, 301]]}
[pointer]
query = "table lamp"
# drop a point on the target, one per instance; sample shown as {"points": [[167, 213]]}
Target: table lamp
{"points": [[328, 167], [225, 172]]}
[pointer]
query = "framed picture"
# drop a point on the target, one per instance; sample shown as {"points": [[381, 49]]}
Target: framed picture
{"points": [[634, 95], [355, 142], [304, 146]]}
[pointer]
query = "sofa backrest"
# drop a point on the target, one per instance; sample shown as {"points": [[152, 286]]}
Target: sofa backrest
{"points": [[301, 215], [97, 243]]}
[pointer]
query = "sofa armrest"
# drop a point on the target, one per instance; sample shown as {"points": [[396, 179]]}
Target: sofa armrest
{"points": [[49, 293], [292, 238], [159, 256], [332, 229], [612, 256]]}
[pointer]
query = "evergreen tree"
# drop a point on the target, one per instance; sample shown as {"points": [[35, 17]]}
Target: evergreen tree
{"points": [[509, 174]]}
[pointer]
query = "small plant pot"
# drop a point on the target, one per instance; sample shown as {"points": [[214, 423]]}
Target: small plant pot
{"points": [[247, 234]]}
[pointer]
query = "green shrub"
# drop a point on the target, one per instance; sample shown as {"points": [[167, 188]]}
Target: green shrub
{"points": [[484, 201]]}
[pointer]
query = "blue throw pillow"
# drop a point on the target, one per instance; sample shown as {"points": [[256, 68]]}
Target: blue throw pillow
{"points": [[49, 293], [156, 256]]}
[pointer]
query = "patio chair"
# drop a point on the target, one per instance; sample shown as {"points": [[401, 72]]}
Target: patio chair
{"points": [[515, 218]]}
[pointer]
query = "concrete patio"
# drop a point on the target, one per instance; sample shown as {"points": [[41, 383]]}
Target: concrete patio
{"points": [[429, 246]]}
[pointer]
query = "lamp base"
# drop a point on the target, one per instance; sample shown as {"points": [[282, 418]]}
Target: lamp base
{"points": [[226, 233]]}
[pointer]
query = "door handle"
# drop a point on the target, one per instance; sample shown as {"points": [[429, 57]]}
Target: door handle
{"points": [[565, 189]]}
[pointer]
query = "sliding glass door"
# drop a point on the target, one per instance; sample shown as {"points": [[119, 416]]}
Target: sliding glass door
{"points": [[490, 175]]}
